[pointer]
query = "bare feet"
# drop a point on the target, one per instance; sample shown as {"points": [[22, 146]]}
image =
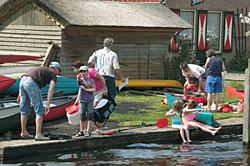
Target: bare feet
{"points": [[214, 132], [217, 129]]}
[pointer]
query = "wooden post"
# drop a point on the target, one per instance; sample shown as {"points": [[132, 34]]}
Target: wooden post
{"points": [[246, 123]]}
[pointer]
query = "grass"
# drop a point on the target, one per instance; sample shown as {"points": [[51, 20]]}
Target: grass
{"points": [[155, 110]]}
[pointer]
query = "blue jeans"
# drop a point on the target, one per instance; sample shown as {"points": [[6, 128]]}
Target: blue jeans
{"points": [[110, 83], [30, 96], [84, 115]]}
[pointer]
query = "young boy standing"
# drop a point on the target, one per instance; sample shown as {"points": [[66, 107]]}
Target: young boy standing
{"points": [[86, 98]]}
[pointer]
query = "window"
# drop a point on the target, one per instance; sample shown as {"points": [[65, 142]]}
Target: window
{"points": [[213, 31], [187, 35]]}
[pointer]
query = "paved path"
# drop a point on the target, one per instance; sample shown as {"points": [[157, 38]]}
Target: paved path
{"points": [[18, 148]]}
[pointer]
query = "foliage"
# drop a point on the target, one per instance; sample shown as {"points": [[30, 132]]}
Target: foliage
{"points": [[239, 62], [236, 84]]}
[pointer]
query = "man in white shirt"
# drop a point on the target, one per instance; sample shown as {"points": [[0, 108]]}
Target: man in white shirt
{"points": [[193, 72], [105, 61]]}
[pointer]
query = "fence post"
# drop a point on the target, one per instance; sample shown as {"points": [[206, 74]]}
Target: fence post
{"points": [[246, 116]]}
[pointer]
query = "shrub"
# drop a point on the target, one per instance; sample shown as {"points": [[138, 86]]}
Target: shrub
{"points": [[239, 62]]}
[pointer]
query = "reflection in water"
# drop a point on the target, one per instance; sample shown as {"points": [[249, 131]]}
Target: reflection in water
{"points": [[226, 150]]}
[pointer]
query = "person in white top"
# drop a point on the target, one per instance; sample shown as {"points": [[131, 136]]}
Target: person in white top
{"points": [[105, 61], [193, 72]]}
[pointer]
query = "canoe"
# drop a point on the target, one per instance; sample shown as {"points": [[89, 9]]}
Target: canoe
{"points": [[68, 85], [6, 82], [10, 57], [239, 93], [204, 117], [150, 83], [10, 116], [5, 70], [58, 106]]}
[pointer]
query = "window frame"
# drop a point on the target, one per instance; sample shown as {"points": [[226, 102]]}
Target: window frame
{"points": [[220, 29]]}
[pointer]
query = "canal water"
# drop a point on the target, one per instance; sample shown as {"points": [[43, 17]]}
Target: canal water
{"points": [[220, 150]]}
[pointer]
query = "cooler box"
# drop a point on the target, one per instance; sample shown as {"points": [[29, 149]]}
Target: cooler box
{"points": [[73, 114]]}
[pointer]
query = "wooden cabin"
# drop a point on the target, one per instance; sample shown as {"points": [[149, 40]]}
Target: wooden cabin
{"points": [[76, 29]]}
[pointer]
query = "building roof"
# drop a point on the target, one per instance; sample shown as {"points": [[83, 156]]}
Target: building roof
{"points": [[96, 13]]}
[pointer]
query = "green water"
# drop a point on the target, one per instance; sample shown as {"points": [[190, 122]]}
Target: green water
{"points": [[222, 150]]}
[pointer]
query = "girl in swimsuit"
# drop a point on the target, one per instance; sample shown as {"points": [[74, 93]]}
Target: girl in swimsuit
{"points": [[176, 113], [189, 112]]}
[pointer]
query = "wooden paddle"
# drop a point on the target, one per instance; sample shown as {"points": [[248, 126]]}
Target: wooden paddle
{"points": [[162, 122]]}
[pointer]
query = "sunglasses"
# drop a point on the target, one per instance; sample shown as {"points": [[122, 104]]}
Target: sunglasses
{"points": [[84, 71]]}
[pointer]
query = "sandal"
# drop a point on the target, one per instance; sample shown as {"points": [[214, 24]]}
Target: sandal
{"points": [[80, 134], [87, 134]]}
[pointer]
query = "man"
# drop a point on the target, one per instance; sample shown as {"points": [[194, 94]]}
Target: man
{"points": [[30, 95], [106, 63], [193, 72], [215, 66]]}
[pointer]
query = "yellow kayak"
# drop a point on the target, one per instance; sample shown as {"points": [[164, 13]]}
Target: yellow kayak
{"points": [[150, 83]]}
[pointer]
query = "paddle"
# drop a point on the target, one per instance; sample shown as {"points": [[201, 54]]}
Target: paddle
{"points": [[230, 102], [162, 122]]}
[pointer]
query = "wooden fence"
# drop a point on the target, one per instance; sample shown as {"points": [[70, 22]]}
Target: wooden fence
{"points": [[228, 77]]}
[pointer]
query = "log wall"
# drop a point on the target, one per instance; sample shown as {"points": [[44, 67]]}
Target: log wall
{"points": [[141, 54], [28, 30]]}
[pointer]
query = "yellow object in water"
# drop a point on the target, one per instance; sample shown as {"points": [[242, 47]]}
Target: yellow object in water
{"points": [[150, 83]]}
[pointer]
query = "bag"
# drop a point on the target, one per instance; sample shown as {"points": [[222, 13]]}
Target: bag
{"points": [[205, 117], [103, 110]]}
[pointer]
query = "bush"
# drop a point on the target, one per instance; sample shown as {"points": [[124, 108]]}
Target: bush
{"points": [[239, 62]]}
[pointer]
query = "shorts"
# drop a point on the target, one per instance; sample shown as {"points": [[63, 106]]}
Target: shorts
{"points": [[30, 95], [86, 111], [213, 84], [98, 95]]}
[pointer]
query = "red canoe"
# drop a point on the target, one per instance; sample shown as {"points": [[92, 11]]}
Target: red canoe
{"points": [[9, 57], [57, 107], [235, 92], [6, 82]]}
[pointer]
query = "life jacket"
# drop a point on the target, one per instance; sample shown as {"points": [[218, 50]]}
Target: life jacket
{"points": [[201, 99], [226, 108]]}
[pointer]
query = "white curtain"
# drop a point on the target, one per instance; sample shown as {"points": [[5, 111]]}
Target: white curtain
{"points": [[213, 30]]}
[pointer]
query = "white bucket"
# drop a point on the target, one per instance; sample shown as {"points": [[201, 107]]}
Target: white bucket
{"points": [[74, 118]]}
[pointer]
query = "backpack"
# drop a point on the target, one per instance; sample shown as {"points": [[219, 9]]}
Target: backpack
{"points": [[103, 110]]}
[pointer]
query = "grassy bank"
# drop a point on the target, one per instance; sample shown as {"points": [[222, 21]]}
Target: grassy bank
{"points": [[154, 110]]}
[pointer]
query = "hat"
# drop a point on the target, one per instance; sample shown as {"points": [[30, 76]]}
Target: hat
{"points": [[55, 64], [83, 68]]}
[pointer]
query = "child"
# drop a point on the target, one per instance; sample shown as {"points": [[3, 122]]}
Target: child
{"points": [[85, 96], [188, 118], [175, 112], [101, 88]]}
